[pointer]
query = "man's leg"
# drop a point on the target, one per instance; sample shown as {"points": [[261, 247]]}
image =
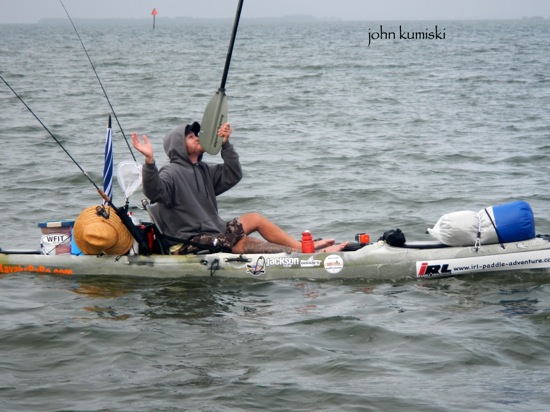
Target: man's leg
{"points": [[254, 222], [249, 244], [273, 234]]}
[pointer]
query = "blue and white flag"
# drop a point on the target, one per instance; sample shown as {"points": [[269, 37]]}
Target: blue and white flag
{"points": [[108, 165]]}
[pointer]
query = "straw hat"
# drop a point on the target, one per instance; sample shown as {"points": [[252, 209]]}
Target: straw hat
{"points": [[95, 235]]}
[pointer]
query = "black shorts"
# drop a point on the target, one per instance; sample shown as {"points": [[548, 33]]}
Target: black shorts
{"points": [[215, 241]]}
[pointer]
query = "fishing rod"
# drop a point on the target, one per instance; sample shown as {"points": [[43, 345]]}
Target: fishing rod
{"points": [[102, 194], [99, 80], [121, 212]]}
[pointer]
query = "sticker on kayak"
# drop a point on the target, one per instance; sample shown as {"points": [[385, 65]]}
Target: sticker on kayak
{"points": [[257, 268], [310, 263], [535, 259], [34, 269], [333, 264], [260, 267]]}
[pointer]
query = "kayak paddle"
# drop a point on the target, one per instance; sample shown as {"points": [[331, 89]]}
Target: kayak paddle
{"points": [[215, 113]]}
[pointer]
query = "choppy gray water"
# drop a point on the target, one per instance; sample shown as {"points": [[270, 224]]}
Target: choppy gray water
{"points": [[335, 136]]}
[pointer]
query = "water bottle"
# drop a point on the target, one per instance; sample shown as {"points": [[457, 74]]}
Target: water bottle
{"points": [[307, 242]]}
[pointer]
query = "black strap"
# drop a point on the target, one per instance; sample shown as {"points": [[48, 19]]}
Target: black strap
{"points": [[496, 230]]}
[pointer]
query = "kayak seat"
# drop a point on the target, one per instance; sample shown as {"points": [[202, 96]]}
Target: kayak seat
{"points": [[162, 244], [164, 240]]}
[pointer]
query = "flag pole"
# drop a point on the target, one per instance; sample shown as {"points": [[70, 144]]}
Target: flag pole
{"points": [[108, 164]]}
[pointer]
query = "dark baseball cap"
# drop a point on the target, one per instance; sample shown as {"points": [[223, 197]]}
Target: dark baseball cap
{"points": [[195, 128]]}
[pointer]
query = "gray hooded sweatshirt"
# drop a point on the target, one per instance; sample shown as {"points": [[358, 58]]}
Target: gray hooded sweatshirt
{"points": [[186, 192]]}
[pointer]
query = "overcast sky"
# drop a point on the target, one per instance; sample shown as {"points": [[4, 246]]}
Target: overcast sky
{"points": [[31, 11]]}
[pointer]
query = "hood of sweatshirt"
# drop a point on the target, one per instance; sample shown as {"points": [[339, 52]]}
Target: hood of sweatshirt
{"points": [[175, 148]]}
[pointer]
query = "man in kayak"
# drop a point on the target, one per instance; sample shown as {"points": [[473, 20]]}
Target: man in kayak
{"points": [[186, 191]]}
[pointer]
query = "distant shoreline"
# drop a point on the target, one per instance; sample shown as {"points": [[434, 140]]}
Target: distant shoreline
{"points": [[295, 18], [189, 20]]}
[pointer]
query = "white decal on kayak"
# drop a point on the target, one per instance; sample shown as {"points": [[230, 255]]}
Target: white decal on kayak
{"points": [[527, 245], [333, 264], [282, 261], [257, 268], [535, 259], [310, 263]]}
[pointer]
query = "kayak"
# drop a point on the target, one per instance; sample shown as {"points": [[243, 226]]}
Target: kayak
{"points": [[376, 261], [98, 243]]}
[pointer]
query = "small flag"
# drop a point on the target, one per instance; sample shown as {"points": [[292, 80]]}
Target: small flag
{"points": [[108, 165]]}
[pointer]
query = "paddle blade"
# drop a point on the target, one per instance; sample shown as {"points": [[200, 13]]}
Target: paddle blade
{"points": [[214, 116]]}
